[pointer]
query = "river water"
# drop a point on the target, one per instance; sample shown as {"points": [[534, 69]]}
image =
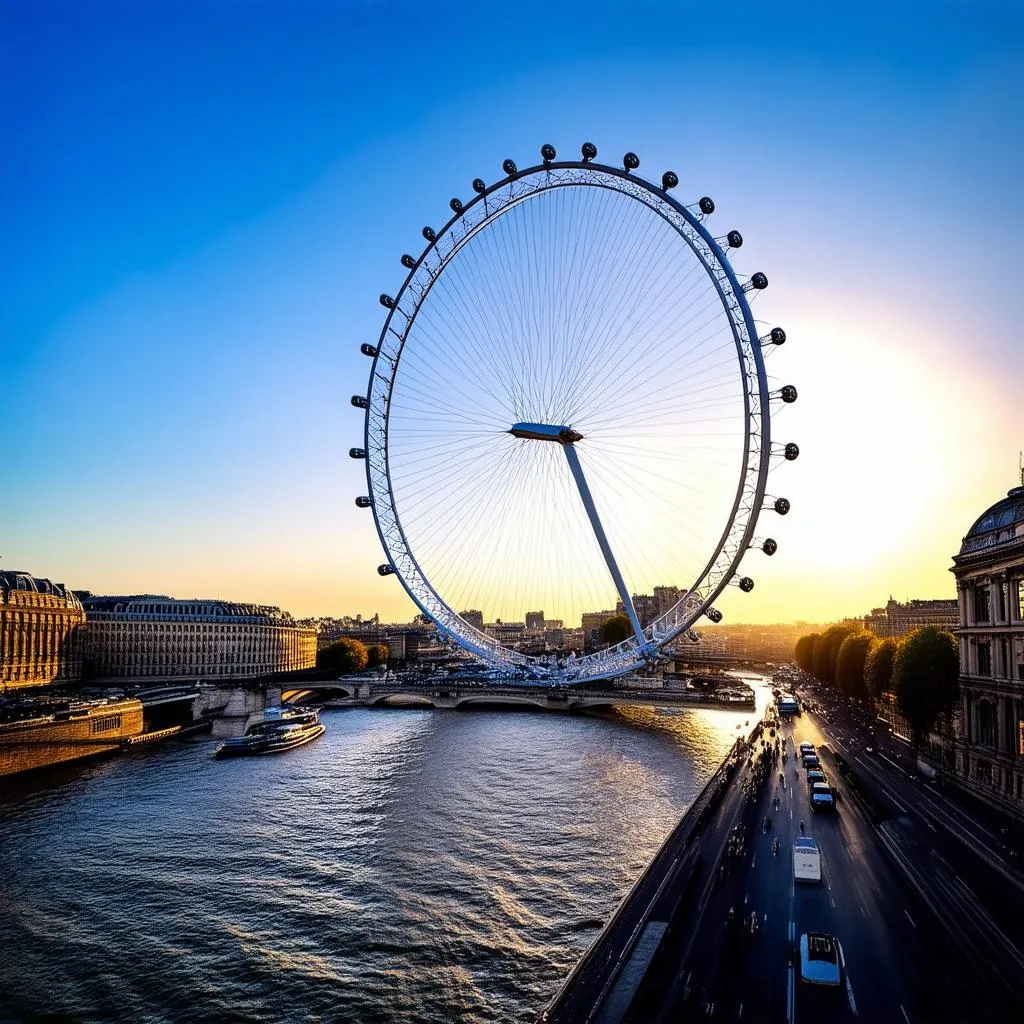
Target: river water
{"points": [[410, 865]]}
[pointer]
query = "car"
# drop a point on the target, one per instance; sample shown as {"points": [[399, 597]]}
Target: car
{"points": [[815, 775], [821, 797], [806, 748], [811, 761], [821, 959]]}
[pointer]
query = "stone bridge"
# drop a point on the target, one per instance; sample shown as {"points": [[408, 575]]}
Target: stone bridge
{"points": [[360, 692]]}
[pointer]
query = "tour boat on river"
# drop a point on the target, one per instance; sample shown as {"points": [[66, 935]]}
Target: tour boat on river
{"points": [[281, 728]]}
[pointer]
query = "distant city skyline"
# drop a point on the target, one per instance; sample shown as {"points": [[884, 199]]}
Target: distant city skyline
{"points": [[202, 208]]}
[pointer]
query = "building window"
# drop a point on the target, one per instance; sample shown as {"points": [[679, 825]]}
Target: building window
{"points": [[1001, 591], [982, 604], [984, 658], [986, 723]]}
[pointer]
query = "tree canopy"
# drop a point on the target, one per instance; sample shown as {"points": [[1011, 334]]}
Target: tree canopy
{"points": [[853, 653], [344, 655], [378, 654], [925, 675], [615, 629], [826, 651], [878, 667], [804, 653]]}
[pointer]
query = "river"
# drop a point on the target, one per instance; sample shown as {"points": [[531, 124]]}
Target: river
{"points": [[411, 865]]}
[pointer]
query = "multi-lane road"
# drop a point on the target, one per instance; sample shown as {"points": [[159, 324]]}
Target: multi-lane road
{"points": [[917, 944]]}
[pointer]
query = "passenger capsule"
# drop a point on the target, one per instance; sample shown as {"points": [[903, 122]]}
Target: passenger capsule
{"points": [[386, 570], [386, 301], [360, 402], [509, 167], [713, 614], [408, 261], [778, 336], [363, 501], [669, 180], [769, 547], [735, 239], [456, 205], [368, 350], [746, 584], [547, 152], [589, 151], [781, 506], [707, 205], [631, 161], [788, 394], [429, 234], [759, 281], [357, 453], [791, 451], [479, 185]]}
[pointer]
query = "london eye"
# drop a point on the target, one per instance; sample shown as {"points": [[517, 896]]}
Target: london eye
{"points": [[567, 407]]}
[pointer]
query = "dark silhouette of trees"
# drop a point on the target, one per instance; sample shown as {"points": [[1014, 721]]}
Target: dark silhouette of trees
{"points": [[878, 667], [826, 651], [615, 629], [853, 653], [344, 655], [804, 653], [925, 676], [378, 654]]}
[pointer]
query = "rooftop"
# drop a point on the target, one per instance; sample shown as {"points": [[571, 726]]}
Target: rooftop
{"points": [[1001, 524]]}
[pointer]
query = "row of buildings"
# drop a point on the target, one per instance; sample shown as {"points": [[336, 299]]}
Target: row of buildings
{"points": [[987, 750], [50, 635], [981, 745]]}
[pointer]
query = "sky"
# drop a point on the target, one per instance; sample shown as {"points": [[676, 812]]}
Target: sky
{"points": [[202, 202]]}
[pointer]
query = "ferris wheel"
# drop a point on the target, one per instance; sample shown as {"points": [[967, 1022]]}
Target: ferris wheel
{"points": [[568, 415]]}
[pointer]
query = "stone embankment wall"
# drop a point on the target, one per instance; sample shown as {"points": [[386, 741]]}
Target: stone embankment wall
{"points": [[42, 742]]}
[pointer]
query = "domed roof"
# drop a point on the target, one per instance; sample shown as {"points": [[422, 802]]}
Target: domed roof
{"points": [[16, 579], [1002, 523]]}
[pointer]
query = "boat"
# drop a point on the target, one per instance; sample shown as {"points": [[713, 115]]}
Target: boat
{"points": [[282, 727]]}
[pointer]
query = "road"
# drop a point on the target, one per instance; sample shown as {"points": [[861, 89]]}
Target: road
{"points": [[917, 947]]}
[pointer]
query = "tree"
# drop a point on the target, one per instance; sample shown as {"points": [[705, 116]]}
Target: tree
{"points": [[615, 629], [826, 651], [878, 667], [378, 654], [804, 653], [344, 655], [853, 653], [925, 675]]}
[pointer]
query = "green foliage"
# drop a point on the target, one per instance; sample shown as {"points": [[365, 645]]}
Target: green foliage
{"points": [[826, 651], [878, 667], [344, 655], [804, 653], [378, 654], [615, 629], [853, 653], [925, 675]]}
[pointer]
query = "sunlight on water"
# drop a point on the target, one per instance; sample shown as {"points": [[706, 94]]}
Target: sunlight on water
{"points": [[411, 865]]}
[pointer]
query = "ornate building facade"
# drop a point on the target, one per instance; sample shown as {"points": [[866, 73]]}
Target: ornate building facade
{"points": [[148, 639], [989, 736], [40, 632], [898, 618]]}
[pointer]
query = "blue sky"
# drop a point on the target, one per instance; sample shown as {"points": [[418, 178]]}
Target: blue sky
{"points": [[203, 201]]}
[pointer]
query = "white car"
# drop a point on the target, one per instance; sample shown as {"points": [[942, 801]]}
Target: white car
{"points": [[821, 959]]}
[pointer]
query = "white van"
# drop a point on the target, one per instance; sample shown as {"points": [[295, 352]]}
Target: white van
{"points": [[806, 860]]}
